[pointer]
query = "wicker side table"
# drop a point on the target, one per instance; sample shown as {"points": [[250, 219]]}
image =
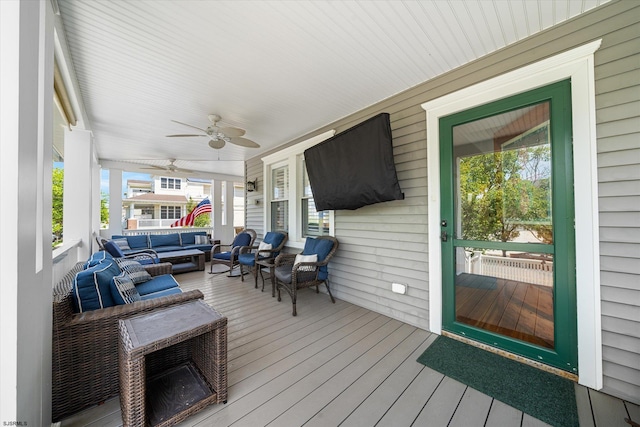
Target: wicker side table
{"points": [[173, 363]]}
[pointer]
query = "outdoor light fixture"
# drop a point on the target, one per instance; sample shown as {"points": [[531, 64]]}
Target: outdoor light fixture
{"points": [[252, 185]]}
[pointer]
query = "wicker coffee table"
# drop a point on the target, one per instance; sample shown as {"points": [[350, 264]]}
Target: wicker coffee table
{"points": [[173, 363]]}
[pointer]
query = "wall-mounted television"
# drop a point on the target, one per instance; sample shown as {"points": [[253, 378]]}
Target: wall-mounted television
{"points": [[354, 168]]}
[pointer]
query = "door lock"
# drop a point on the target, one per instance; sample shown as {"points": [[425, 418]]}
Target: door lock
{"points": [[444, 236]]}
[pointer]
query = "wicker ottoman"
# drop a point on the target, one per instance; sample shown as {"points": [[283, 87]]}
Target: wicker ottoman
{"points": [[173, 363]]}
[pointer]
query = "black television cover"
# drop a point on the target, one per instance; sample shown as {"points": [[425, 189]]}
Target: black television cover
{"points": [[354, 168]]}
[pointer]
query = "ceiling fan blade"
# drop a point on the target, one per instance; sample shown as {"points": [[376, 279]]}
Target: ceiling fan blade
{"points": [[157, 167], [244, 142], [191, 126], [216, 144], [232, 132], [180, 135]]}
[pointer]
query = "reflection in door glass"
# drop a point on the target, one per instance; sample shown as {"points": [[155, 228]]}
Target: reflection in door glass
{"points": [[503, 164], [511, 295], [502, 167]]}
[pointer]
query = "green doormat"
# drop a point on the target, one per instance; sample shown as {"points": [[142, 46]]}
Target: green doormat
{"points": [[540, 394]]}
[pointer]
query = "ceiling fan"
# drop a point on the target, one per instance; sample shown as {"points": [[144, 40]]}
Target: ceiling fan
{"points": [[170, 167], [219, 136]]}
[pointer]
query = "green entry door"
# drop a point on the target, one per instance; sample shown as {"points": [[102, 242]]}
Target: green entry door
{"points": [[507, 225]]}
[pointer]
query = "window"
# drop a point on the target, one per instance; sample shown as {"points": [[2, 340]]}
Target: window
{"points": [[289, 202], [170, 212], [314, 223], [280, 198], [170, 183]]}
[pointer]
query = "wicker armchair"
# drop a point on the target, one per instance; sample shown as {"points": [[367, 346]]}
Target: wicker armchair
{"points": [[250, 255], [85, 345], [230, 255], [291, 277]]}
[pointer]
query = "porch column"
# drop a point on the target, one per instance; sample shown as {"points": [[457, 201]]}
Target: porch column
{"points": [[78, 189], [228, 211], [26, 85], [115, 201], [217, 212]]}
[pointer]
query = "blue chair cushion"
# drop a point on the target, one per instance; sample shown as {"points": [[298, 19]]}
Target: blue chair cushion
{"points": [[123, 290], [113, 249], [189, 238], [158, 283], [134, 270], [223, 255], [203, 248], [159, 240], [96, 258], [321, 247], [92, 287], [242, 239], [249, 259], [274, 238], [164, 293], [283, 273]]}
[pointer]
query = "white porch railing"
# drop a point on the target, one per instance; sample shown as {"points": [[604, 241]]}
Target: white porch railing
{"points": [[65, 258], [522, 270]]}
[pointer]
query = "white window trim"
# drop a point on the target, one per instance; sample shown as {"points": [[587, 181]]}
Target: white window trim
{"points": [[577, 65], [289, 156]]}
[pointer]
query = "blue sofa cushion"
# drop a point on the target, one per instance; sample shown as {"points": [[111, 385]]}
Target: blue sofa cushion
{"points": [[96, 258], [135, 242], [92, 287], [189, 238], [203, 248], [168, 248], [166, 292], [159, 240], [123, 290], [321, 247], [134, 270], [158, 283]]}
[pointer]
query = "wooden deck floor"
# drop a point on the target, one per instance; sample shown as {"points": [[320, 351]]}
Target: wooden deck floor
{"points": [[339, 364]]}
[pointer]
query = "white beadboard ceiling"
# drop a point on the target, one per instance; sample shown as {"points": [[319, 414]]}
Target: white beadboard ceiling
{"points": [[278, 69]]}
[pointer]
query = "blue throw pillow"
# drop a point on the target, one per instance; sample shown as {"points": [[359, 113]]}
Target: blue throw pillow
{"points": [[111, 247], [137, 242], [134, 270], [123, 290], [96, 258], [92, 287]]}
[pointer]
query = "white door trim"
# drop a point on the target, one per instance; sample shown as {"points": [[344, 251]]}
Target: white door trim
{"points": [[577, 65]]}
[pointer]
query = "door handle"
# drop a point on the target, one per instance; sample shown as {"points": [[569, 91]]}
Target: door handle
{"points": [[444, 236]]}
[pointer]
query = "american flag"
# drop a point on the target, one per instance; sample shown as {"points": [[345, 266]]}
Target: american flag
{"points": [[187, 220]]}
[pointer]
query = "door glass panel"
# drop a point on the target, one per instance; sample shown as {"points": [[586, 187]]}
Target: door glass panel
{"points": [[502, 175]]}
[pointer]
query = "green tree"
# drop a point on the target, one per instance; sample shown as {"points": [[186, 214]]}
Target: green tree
{"points": [[505, 192], [104, 209], [57, 189]]}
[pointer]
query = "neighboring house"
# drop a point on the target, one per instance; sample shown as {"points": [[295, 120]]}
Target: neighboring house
{"points": [[160, 202], [398, 241]]}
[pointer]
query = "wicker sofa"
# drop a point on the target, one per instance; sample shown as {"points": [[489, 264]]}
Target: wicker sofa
{"points": [[85, 345]]}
